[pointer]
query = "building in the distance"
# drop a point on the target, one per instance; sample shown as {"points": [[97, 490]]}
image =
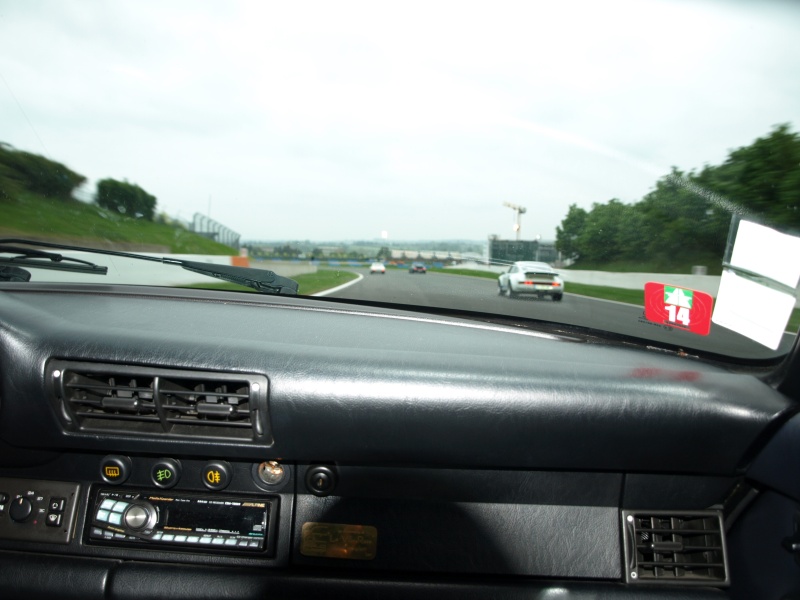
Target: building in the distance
{"points": [[508, 251]]}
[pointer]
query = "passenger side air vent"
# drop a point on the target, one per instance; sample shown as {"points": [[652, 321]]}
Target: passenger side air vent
{"points": [[124, 399], [189, 404], [684, 547]]}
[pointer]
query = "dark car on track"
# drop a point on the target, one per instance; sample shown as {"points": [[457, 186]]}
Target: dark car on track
{"points": [[417, 267]]}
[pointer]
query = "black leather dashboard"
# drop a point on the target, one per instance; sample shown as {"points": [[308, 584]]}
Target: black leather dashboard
{"points": [[491, 460]]}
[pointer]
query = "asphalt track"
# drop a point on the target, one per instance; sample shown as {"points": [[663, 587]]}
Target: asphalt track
{"points": [[480, 294]]}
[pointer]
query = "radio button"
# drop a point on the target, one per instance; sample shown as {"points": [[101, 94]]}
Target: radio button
{"points": [[231, 542], [216, 475], [193, 539], [217, 541], [180, 538], [107, 504], [205, 540], [102, 515], [167, 537], [115, 518]]}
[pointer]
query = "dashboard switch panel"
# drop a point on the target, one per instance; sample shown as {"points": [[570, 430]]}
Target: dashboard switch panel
{"points": [[36, 510]]}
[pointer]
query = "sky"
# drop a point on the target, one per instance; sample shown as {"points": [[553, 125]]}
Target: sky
{"points": [[412, 120]]}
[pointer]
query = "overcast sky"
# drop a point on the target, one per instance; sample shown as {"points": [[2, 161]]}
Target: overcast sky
{"points": [[332, 120]]}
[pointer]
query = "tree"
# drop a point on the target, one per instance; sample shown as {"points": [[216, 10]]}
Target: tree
{"points": [[763, 177], [34, 173], [287, 251], [599, 240], [125, 198], [384, 253], [679, 220], [569, 231], [686, 217]]}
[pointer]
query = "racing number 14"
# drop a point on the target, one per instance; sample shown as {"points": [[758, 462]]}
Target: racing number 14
{"points": [[678, 314], [682, 308]]}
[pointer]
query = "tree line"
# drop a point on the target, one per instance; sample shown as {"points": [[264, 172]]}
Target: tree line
{"points": [[686, 217], [22, 172]]}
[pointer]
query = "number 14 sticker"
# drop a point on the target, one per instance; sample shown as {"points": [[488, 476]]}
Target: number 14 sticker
{"points": [[678, 307]]}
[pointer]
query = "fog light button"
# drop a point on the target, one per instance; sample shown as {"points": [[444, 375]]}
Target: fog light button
{"points": [[217, 475]]}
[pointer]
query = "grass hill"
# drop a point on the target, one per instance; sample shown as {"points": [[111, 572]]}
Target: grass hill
{"points": [[30, 215]]}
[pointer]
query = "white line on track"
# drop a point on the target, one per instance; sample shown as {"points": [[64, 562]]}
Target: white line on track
{"points": [[340, 287]]}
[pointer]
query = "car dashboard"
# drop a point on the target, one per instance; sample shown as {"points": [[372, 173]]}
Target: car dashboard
{"points": [[176, 443]]}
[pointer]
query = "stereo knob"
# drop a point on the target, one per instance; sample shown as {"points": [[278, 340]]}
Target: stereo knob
{"points": [[139, 516]]}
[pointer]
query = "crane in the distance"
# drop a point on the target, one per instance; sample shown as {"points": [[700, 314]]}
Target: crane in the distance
{"points": [[519, 210]]}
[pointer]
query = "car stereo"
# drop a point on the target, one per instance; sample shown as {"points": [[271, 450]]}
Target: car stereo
{"points": [[181, 520]]}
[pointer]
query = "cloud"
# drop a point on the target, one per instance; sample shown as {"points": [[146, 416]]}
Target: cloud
{"points": [[327, 120]]}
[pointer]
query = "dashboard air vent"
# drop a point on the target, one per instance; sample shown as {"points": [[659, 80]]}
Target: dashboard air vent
{"points": [[189, 403], [111, 397], [92, 397], [684, 547]]}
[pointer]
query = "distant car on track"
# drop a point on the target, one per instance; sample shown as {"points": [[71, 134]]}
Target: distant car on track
{"points": [[418, 267], [531, 278], [377, 267]]}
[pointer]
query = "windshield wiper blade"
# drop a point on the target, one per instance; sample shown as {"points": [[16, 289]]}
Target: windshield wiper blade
{"points": [[14, 274], [46, 260], [261, 280]]}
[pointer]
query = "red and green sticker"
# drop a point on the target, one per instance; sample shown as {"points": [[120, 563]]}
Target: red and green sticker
{"points": [[678, 307]]}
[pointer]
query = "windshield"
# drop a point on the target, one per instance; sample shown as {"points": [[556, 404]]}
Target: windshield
{"points": [[632, 167]]}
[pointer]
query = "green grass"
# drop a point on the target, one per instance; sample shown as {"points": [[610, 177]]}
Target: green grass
{"points": [[310, 283], [712, 263], [794, 320], [606, 293], [323, 279], [79, 223]]}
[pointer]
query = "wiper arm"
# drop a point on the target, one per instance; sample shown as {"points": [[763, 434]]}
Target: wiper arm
{"points": [[261, 280], [46, 260]]}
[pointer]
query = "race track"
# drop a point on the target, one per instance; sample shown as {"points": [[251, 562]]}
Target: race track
{"points": [[480, 295]]}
